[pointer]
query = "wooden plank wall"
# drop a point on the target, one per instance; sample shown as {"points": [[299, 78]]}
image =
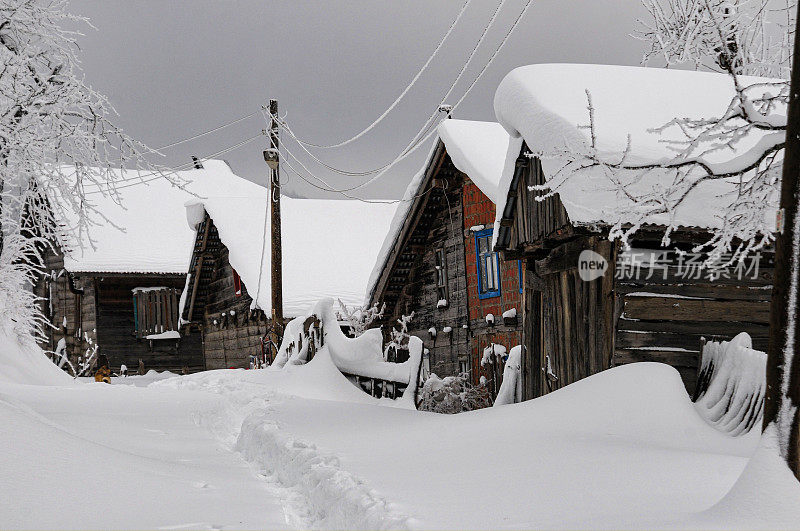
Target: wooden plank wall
{"points": [[156, 311], [439, 226], [79, 310], [231, 332], [116, 328], [535, 221], [576, 317], [667, 317]]}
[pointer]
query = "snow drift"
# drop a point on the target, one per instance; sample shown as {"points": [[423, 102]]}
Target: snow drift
{"points": [[23, 362], [731, 385]]}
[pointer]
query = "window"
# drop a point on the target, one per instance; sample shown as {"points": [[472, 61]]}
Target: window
{"points": [[441, 276], [155, 311], [488, 265]]}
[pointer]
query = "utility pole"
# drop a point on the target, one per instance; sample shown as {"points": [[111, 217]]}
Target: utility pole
{"points": [[272, 158], [782, 396]]}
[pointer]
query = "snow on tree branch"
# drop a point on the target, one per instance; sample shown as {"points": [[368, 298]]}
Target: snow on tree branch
{"points": [[741, 147], [360, 318], [751, 37], [57, 150]]}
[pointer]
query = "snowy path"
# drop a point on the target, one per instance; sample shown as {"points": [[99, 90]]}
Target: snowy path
{"points": [[117, 456], [266, 449]]}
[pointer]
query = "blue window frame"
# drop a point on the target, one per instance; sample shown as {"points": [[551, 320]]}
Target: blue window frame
{"points": [[488, 265], [519, 273]]}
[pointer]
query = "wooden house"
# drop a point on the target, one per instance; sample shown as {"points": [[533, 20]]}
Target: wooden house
{"points": [[328, 249], [116, 291], [590, 304], [437, 260]]}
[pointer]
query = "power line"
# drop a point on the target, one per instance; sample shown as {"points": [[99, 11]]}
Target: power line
{"points": [[204, 133], [424, 130], [405, 91], [353, 197], [143, 179], [452, 86]]}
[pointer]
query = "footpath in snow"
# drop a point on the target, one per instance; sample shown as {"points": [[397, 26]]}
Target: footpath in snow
{"points": [[621, 449], [302, 447]]}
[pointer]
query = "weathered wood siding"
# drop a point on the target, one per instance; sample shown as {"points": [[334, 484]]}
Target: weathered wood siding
{"points": [[440, 219], [664, 319], [103, 314], [534, 222], [116, 329], [569, 321], [231, 332], [438, 227], [60, 303]]}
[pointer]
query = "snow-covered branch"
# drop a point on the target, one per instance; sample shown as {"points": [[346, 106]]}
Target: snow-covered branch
{"points": [[58, 146], [735, 154], [750, 37]]}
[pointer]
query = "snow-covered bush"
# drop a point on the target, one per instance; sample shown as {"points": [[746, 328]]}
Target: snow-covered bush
{"points": [[398, 339], [452, 394], [359, 318]]}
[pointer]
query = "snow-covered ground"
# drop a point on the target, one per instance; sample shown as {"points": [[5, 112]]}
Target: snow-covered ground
{"points": [[622, 449], [122, 457], [302, 447]]}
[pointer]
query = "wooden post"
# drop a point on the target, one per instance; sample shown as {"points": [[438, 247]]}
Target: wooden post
{"points": [[275, 215], [782, 396]]}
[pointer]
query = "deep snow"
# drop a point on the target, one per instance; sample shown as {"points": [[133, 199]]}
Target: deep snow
{"points": [[622, 449]]}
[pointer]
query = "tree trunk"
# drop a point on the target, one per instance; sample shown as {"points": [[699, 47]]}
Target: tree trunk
{"points": [[783, 375]]}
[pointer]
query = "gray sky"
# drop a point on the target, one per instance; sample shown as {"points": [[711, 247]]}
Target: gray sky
{"points": [[175, 68]]}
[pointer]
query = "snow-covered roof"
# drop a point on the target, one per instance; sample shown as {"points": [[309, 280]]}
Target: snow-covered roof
{"points": [[478, 149], [329, 246], [547, 105], [155, 238]]}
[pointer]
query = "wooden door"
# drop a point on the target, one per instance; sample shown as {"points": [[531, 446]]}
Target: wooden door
{"points": [[533, 337]]}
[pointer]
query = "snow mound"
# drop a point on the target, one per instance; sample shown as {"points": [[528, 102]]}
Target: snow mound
{"points": [[23, 362], [319, 379], [766, 495]]}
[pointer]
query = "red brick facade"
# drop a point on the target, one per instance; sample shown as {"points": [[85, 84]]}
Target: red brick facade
{"points": [[479, 210]]}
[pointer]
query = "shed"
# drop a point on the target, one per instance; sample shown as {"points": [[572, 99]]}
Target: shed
{"points": [[328, 245], [116, 289], [644, 303]]}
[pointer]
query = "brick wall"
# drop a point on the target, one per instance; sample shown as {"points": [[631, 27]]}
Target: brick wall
{"points": [[479, 210]]}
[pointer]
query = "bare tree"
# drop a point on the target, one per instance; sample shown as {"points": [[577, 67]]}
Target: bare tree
{"points": [[734, 37], [740, 37], [57, 150], [752, 37]]}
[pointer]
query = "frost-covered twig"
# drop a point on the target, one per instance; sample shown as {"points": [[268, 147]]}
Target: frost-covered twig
{"points": [[58, 148], [360, 318]]}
